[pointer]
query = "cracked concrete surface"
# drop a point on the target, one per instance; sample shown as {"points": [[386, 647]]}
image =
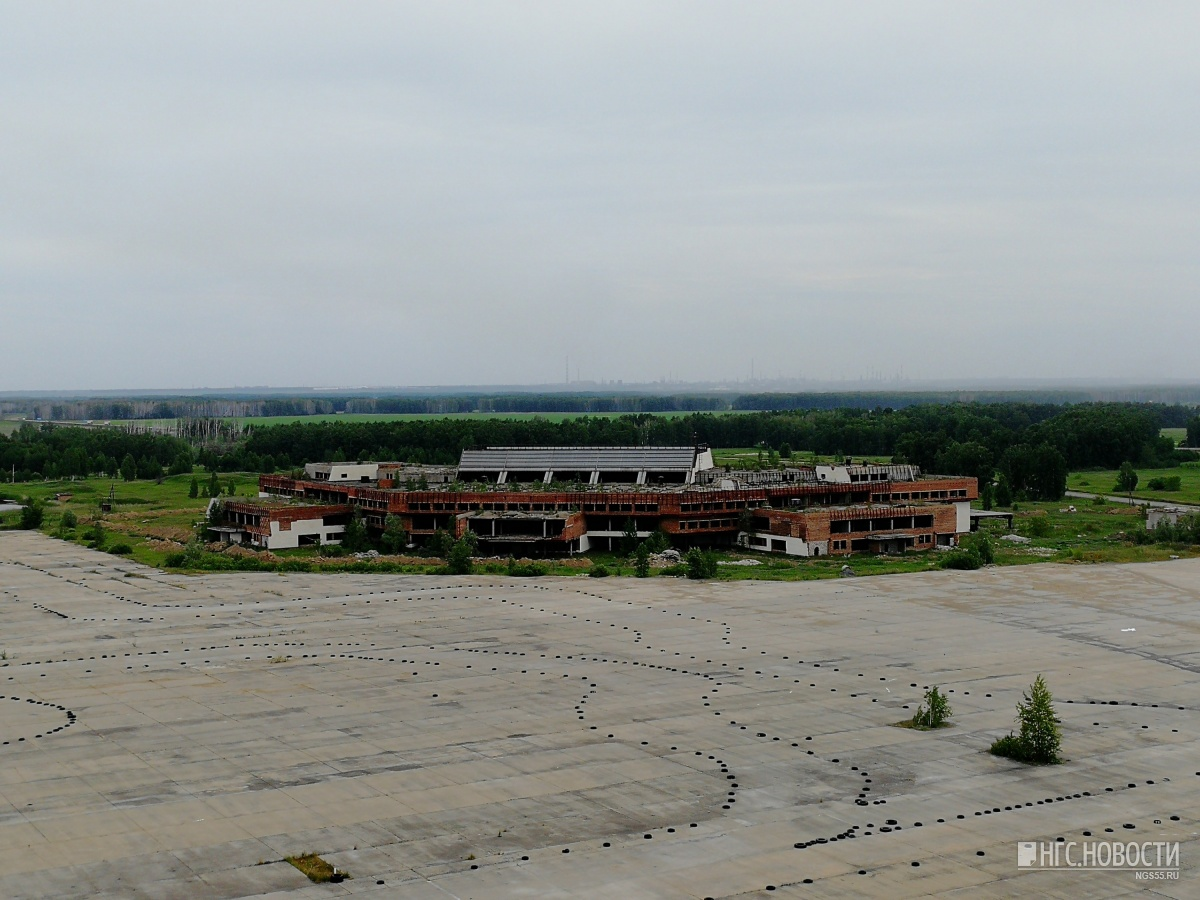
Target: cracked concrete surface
{"points": [[170, 736]]}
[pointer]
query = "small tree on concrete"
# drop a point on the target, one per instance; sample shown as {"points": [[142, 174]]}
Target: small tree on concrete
{"points": [[934, 711], [1039, 725], [1041, 738]]}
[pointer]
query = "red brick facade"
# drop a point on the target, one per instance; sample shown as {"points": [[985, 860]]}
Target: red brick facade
{"points": [[839, 531], [695, 516], [256, 518]]}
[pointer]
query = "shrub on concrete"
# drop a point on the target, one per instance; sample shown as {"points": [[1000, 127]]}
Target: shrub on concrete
{"points": [[934, 711], [1040, 738]]}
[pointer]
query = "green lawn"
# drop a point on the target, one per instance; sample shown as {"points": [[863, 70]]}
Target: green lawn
{"points": [[1104, 483], [1093, 533], [145, 512], [1178, 435]]}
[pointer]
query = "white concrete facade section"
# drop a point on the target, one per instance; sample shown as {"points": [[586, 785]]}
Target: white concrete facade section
{"points": [[962, 523], [789, 546], [342, 472], [833, 474], [866, 474], [1170, 515], [286, 540], [704, 461]]}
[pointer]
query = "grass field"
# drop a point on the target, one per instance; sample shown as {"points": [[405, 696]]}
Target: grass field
{"points": [[1104, 482], [1178, 435], [145, 514]]}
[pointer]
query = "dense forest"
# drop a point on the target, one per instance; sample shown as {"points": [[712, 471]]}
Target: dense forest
{"points": [[1030, 446], [51, 451]]}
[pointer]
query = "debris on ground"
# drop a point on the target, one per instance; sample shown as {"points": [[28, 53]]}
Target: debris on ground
{"points": [[666, 559]]}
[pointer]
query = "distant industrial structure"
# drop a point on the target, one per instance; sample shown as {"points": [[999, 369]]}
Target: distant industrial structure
{"points": [[541, 501]]}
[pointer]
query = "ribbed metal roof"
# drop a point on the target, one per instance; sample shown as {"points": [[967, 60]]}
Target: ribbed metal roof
{"points": [[578, 459]]}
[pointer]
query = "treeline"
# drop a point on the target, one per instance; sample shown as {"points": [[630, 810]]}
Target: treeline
{"points": [[107, 410], [1029, 448], [1026, 448], [1172, 413], [538, 403], [36, 452], [174, 408], [125, 409]]}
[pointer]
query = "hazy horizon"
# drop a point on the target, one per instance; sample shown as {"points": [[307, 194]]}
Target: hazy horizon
{"points": [[449, 194]]}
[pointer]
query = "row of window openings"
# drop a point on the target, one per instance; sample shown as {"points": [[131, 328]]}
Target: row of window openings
{"points": [[707, 523]]}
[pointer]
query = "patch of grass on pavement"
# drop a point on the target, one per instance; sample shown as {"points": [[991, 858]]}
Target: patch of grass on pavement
{"points": [[315, 868]]}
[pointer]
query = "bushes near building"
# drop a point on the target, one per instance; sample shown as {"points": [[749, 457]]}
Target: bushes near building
{"points": [[641, 561], [701, 564], [974, 552], [458, 560]]}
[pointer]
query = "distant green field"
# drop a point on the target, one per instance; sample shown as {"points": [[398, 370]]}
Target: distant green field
{"points": [[1178, 435], [1104, 482]]}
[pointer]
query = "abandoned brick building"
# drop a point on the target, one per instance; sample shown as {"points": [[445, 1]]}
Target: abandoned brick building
{"points": [[536, 501]]}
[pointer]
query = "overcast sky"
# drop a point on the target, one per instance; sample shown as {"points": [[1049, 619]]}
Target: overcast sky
{"points": [[346, 194]]}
